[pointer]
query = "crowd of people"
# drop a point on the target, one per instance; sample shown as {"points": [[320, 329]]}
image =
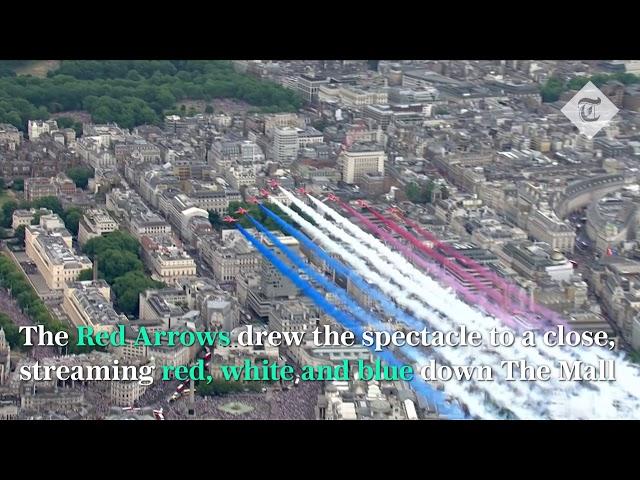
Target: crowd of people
{"points": [[297, 403], [9, 307]]}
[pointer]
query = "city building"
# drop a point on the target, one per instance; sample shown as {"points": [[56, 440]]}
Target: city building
{"points": [[536, 261], [166, 258], [39, 187], [10, 136], [545, 226], [285, 145], [48, 245], [361, 159], [35, 128], [88, 303], [295, 316], [228, 260], [94, 223], [360, 400], [308, 86], [22, 217]]}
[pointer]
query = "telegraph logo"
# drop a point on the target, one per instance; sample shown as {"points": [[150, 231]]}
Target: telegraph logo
{"points": [[590, 110]]}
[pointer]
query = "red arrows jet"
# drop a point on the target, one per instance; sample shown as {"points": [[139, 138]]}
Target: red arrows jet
{"points": [[362, 203], [265, 193], [332, 198], [273, 183], [241, 211], [254, 200], [301, 190], [229, 219]]}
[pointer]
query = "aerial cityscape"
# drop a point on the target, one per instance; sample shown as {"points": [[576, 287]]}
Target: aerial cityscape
{"points": [[277, 198]]}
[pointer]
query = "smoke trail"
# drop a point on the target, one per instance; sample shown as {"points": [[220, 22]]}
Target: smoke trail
{"points": [[370, 289], [615, 394], [442, 275], [628, 374], [510, 290], [354, 308], [498, 391], [490, 292], [345, 320]]}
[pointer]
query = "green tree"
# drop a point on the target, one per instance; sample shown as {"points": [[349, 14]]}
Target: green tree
{"points": [[11, 333], [19, 234], [115, 263], [80, 175], [85, 275], [223, 387], [127, 289], [420, 193], [215, 220], [132, 92], [18, 184], [208, 109], [71, 219], [12, 278], [65, 122], [7, 210], [552, 89], [117, 240], [52, 203]]}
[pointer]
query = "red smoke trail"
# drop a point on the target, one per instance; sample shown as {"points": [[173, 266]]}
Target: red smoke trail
{"points": [[521, 300], [438, 272]]}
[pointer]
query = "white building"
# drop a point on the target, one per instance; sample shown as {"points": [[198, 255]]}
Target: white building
{"points": [[358, 162], [38, 127], [94, 223], [49, 246], [285, 144]]}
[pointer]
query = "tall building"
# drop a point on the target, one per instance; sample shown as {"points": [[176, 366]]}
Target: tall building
{"points": [[360, 160], [273, 283], [309, 86], [285, 144], [271, 122]]}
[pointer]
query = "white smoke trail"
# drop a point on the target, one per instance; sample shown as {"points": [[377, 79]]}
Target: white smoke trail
{"points": [[627, 374], [502, 393], [461, 312]]}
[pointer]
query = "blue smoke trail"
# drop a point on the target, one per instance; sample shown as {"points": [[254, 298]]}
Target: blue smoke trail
{"points": [[353, 306], [421, 387], [339, 267]]}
